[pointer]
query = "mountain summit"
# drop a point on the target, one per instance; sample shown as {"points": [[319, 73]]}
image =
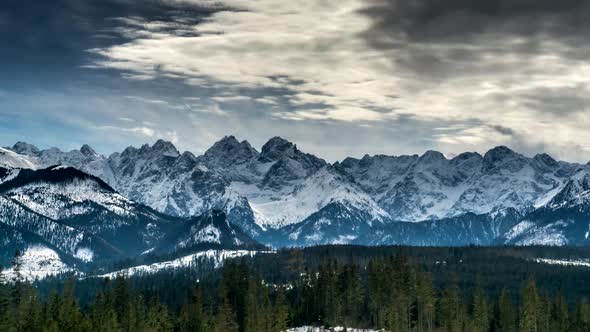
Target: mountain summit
{"points": [[283, 195]]}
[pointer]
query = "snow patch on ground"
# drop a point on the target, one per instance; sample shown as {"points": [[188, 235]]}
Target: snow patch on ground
{"points": [[584, 263], [38, 262], [218, 256], [332, 329], [84, 254]]}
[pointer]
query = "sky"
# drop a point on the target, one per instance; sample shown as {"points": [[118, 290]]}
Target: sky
{"points": [[337, 77]]}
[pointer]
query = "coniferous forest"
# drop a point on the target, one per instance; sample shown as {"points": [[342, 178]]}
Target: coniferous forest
{"points": [[379, 288]]}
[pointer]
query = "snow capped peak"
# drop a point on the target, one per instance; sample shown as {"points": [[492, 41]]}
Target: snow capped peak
{"points": [[165, 148], [546, 159], [14, 160], [229, 140], [498, 154], [575, 192], [277, 147], [25, 148], [229, 151], [432, 156], [87, 151], [466, 156]]}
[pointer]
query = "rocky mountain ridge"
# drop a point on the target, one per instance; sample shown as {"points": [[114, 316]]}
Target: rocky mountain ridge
{"points": [[287, 197]]}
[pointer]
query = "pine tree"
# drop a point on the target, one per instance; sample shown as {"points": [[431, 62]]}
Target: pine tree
{"points": [[226, 319], [51, 311], [505, 317], [582, 316], [158, 318], [280, 312], [529, 315], [252, 319], [18, 280], [69, 315], [560, 314], [4, 301], [28, 313], [426, 302], [451, 310], [479, 311], [191, 317], [121, 305]]}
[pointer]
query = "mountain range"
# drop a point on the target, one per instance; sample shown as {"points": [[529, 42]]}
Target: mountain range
{"points": [[156, 199]]}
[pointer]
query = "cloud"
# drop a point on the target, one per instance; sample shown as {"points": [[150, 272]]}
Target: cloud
{"points": [[308, 48], [455, 20], [144, 131], [376, 76]]}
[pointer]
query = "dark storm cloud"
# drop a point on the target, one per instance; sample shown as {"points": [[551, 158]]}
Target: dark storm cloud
{"points": [[49, 39], [434, 20], [503, 130]]}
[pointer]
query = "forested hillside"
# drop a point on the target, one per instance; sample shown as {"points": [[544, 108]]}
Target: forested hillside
{"points": [[387, 288]]}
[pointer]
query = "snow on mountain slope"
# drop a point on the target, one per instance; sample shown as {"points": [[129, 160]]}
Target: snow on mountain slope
{"points": [[216, 256], [320, 189], [511, 180], [170, 182], [86, 204], [527, 233], [336, 223], [40, 192], [7, 174], [12, 159], [38, 262], [84, 159], [211, 230], [413, 188], [65, 238], [574, 193], [281, 185], [562, 220]]}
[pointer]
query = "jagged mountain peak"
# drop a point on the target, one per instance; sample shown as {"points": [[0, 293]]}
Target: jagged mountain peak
{"points": [[467, 155], [165, 148], [158, 149], [25, 148], [545, 159], [499, 153], [87, 151], [575, 192], [500, 156], [277, 147], [229, 151], [432, 156]]}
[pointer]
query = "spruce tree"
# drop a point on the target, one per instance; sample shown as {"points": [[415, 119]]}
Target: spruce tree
{"points": [[280, 312], [560, 314], [425, 299], [479, 311], [121, 305], [505, 316], [192, 317], [70, 317], [158, 318], [451, 311], [529, 315]]}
